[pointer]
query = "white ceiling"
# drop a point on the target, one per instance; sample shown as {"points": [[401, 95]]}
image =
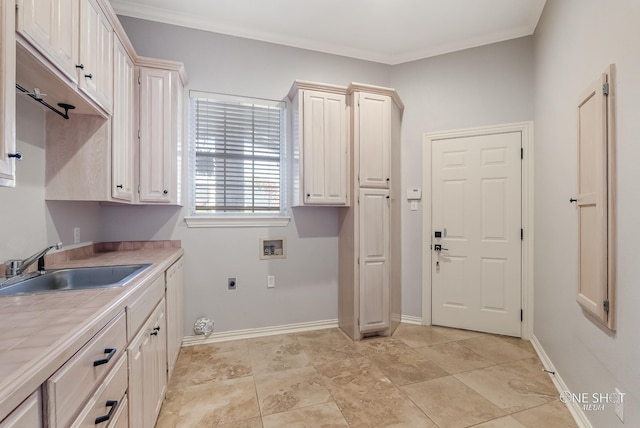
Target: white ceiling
{"points": [[385, 31]]}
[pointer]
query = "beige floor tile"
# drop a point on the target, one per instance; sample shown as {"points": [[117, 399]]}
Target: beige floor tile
{"points": [[333, 336], [248, 423], [450, 403], [326, 415], [456, 334], [290, 389], [204, 351], [495, 349], [283, 353], [419, 335], [328, 351], [219, 402], [349, 377], [218, 366], [511, 387], [167, 420], [400, 363], [388, 408], [550, 415], [454, 358], [506, 422], [521, 343]]}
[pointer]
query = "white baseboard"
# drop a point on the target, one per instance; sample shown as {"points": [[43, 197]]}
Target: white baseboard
{"points": [[409, 319], [259, 332], [574, 407]]}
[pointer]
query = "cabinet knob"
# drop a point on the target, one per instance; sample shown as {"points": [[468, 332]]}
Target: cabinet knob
{"points": [[89, 76], [80, 66], [308, 195], [119, 186], [387, 179], [165, 192], [16, 155]]}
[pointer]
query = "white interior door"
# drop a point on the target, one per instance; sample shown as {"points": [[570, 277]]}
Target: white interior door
{"points": [[476, 206]]}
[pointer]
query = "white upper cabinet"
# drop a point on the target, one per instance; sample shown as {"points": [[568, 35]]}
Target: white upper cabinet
{"points": [[123, 125], [321, 145], [7, 95], [160, 134], [372, 136], [52, 28], [95, 70]]}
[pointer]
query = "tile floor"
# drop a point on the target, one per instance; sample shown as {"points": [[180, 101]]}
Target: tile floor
{"points": [[421, 377]]}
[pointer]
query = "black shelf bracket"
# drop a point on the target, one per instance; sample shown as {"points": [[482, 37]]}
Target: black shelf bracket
{"points": [[37, 97]]}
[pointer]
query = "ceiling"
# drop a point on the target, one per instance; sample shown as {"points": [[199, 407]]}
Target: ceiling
{"points": [[385, 31]]}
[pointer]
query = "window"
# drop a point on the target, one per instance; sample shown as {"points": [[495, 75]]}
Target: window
{"points": [[236, 156]]}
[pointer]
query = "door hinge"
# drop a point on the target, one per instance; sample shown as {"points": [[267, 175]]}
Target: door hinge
{"points": [[139, 79], [521, 152], [358, 260], [521, 315], [138, 188], [605, 305], [522, 234], [605, 88], [358, 322], [138, 134]]}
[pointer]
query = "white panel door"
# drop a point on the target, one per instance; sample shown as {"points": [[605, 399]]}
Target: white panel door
{"points": [[96, 54], [374, 139], [52, 27], [325, 148], [155, 135], [122, 122], [476, 206], [374, 260]]}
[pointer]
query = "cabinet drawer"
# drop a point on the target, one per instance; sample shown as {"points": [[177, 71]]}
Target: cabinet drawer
{"points": [[121, 418], [28, 414], [139, 310], [105, 404], [68, 389]]}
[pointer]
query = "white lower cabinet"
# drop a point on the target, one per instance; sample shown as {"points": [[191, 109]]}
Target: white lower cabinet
{"points": [[148, 370], [27, 414], [374, 260], [175, 302]]}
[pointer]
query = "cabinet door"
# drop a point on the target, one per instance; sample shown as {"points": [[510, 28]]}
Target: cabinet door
{"points": [[174, 313], [52, 28], [374, 259], [96, 54], [156, 134], [7, 94], [325, 150], [374, 139], [122, 137], [147, 354]]}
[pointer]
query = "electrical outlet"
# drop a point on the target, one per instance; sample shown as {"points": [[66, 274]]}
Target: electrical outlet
{"points": [[620, 405], [271, 281], [231, 283], [76, 235]]}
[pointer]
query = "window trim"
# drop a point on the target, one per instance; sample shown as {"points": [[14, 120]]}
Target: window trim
{"points": [[261, 219]]}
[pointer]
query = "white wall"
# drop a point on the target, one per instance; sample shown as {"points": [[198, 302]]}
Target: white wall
{"points": [[476, 87], [306, 281], [27, 223], [574, 43]]}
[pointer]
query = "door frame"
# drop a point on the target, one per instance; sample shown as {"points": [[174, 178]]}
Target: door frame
{"points": [[526, 130]]}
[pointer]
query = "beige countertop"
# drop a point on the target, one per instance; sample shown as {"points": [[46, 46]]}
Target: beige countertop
{"points": [[39, 332]]}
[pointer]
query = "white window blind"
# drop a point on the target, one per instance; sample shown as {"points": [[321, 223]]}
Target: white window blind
{"points": [[237, 146]]}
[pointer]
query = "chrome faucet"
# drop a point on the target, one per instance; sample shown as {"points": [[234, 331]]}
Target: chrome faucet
{"points": [[17, 267]]}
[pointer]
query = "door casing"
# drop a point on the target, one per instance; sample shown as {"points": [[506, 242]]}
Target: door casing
{"points": [[526, 130]]}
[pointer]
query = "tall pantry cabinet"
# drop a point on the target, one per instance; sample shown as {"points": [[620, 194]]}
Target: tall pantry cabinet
{"points": [[369, 240]]}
